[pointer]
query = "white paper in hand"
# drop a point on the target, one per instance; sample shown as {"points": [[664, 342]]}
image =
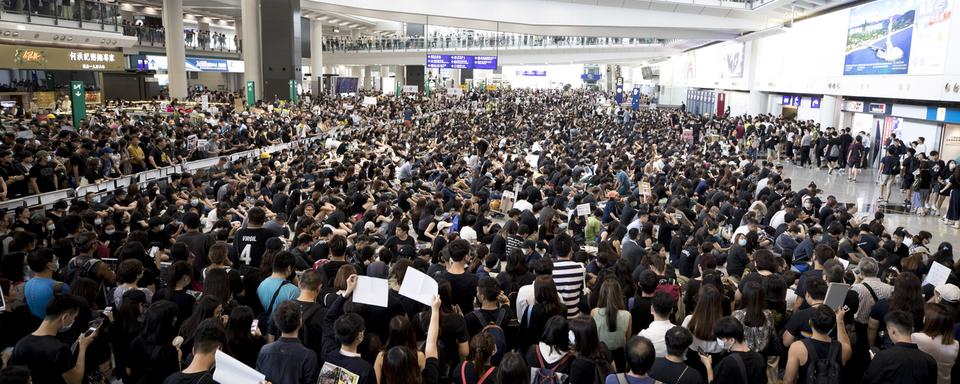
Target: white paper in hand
{"points": [[230, 370], [418, 286], [583, 209], [938, 274], [371, 290]]}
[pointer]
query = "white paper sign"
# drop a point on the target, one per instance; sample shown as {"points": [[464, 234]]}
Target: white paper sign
{"points": [[938, 274], [369, 100], [230, 370], [583, 209], [532, 160], [371, 290], [418, 286]]}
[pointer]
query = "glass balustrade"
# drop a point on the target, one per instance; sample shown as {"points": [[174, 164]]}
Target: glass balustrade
{"points": [[86, 13], [468, 41], [193, 39]]}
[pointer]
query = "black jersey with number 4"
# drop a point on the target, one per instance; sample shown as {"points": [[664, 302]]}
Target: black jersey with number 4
{"points": [[250, 243]]}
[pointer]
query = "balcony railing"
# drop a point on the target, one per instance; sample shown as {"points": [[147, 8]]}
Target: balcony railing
{"points": [[466, 41], [85, 13], [193, 39]]}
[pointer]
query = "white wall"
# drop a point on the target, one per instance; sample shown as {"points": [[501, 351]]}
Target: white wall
{"points": [[809, 59]]}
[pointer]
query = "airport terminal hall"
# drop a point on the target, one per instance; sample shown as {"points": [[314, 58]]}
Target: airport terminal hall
{"points": [[479, 191]]}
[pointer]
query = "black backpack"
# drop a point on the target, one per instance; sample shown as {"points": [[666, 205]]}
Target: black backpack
{"points": [[824, 370]]}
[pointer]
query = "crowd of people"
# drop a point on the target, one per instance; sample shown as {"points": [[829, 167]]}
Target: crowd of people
{"points": [[472, 39], [571, 241]]}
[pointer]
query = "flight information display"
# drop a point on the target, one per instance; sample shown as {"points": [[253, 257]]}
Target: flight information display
{"points": [[461, 61]]}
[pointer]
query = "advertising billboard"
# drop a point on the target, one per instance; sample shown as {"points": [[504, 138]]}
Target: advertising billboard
{"points": [[733, 57], [879, 36], [896, 37]]}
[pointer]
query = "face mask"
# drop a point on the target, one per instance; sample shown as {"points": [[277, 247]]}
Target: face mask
{"points": [[572, 338], [56, 265], [742, 242], [51, 227], [194, 202], [109, 231], [66, 327], [807, 205], [723, 345], [97, 221]]}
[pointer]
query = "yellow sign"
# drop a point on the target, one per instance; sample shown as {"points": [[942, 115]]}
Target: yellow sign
{"points": [[26, 57]]}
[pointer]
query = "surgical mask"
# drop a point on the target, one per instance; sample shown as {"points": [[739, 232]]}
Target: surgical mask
{"points": [[807, 205], [109, 231], [97, 221], [572, 338], [51, 227], [66, 327], [194, 202], [742, 242], [724, 345]]}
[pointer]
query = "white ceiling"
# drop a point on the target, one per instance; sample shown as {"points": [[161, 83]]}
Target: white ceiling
{"points": [[693, 20]]}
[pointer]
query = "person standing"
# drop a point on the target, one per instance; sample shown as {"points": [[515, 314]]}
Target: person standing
{"points": [[904, 363], [49, 359], [568, 274], [287, 361]]}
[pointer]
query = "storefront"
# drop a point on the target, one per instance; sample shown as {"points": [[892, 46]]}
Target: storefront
{"points": [[907, 121], [38, 77]]}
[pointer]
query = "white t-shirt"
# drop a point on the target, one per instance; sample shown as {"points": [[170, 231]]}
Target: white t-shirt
{"points": [[656, 333]]}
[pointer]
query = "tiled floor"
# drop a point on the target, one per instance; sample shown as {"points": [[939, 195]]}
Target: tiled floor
{"points": [[864, 192]]}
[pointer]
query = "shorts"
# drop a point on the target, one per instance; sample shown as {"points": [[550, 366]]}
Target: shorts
{"points": [[833, 158], [887, 179]]}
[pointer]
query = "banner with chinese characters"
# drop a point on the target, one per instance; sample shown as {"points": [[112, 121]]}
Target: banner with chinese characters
{"points": [[26, 57]]}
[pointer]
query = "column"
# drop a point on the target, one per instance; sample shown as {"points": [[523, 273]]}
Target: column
{"points": [[176, 52], [249, 32], [316, 56], [279, 47]]}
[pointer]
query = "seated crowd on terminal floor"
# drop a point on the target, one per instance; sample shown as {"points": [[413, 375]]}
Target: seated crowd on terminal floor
{"points": [[568, 241]]}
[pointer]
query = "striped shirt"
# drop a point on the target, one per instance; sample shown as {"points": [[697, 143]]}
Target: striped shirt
{"points": [[569, 276]]}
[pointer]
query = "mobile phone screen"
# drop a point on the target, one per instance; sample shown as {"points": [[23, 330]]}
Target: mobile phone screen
{"points": [[253, 326]]}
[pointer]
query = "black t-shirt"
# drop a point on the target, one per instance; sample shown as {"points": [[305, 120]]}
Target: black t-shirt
{"points": [[191, 378], [888, 165], [44, 177], [46, 357], [666, 371], [250, 244], [453, 331], [728, 371], [640, 313], [331, 268], [464, 287]]}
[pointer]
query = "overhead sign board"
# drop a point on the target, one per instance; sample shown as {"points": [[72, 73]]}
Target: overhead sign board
{"points": [[461, 61]]}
